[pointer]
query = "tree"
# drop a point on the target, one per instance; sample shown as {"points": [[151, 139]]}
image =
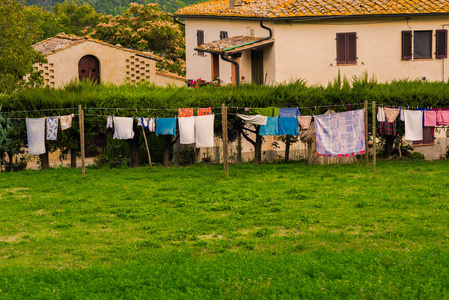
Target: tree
{"points": [[146, 28], [18, 31]]}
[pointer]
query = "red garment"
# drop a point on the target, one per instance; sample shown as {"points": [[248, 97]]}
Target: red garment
{"points": [[442, 117], [204, 111], [185, 112], [430, 118]]}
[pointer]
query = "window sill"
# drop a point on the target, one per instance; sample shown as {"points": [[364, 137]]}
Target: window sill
{"points": [[422, 59], [346, 64], [420, 145]]}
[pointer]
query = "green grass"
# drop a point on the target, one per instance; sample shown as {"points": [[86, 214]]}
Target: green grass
{"points": [[271, 231]]}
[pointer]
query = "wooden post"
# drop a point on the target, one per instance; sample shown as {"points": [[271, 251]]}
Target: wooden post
{"points": [[146, 144], [366, 132], [224, 118], [374, 136], [81, 120]]}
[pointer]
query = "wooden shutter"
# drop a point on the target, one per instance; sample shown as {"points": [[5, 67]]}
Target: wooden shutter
{"points": [[351, 46], [223, 35], [341, 48], [200, 40], [441, 42], [407, 45]]}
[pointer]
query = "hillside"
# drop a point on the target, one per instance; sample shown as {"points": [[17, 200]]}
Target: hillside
{"points": [[116, 7]]}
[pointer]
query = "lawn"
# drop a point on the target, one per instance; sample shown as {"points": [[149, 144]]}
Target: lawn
{"points": [[272, 231]]}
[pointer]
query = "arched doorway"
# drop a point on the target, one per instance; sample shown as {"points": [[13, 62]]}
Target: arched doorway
{"points": [[89, 68]]}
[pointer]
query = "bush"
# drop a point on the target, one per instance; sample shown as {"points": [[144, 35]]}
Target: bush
{"points": [[416, 156]]}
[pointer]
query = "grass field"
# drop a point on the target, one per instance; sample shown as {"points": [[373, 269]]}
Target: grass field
{"points": [[280, 231]]}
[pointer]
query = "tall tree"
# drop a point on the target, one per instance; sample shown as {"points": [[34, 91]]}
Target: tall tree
{"points": [[18, 31], [146, 28]]}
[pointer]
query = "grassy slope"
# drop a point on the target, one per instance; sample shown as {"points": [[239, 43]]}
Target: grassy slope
{"points": [[277, 231]]}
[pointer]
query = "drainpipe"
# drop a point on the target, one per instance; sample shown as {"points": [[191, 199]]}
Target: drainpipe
{"points": [[179, 22], [237, 67]]}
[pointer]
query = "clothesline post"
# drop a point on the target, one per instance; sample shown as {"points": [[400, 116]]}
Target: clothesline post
{"points": [[224, 118], [81, 120], [366, 132], [374, 136], [146, 144]]}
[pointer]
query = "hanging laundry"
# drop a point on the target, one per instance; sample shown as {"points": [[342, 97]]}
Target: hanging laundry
{"points": [[185, 112], [256, 120], [387, 128], [402, 114], [272, 127], [143, 122], [123, 128], [288, 125], [340, 134], [152, 125], [442, 117], [36, 135], [204, 131], [391, 114], [304, 121], [109, 122], [380, 114], [430, 118], [289, 112], [52, 128], [166, 126], [413, 125], [268, 111], [204, 111], [186, 130], [66, 121]]}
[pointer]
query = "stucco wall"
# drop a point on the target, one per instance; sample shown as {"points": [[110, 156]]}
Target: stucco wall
{"points": [[307, 50], [164, 80], [116, 65]]}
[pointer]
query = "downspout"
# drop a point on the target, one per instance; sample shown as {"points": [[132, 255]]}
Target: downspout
{"points": [[237, 67], [235, 63], [179, 22]]}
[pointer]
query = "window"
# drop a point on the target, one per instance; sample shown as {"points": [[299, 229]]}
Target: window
{"points": [[223, 35], [215, 66], [200, 40], [346, 48], [418, 44], [428, 137]]}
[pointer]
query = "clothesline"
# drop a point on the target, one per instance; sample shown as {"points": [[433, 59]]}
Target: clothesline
{"points": [[37, 110]]}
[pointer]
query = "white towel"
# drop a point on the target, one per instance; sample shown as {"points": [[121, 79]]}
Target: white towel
{"points": [[380, 114], [152, 125], [123, 128], [186, 130], [204, 131], [109, 122], [256, 120], [413, 125], [36, 135]]}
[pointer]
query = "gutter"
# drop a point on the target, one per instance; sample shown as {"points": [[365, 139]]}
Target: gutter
{"points": [[179, 22], [237, 67]]}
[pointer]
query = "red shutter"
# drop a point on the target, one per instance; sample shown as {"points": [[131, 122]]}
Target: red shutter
{"points": [[341, 48], [441, 42], [407, 45], [351, 42]]}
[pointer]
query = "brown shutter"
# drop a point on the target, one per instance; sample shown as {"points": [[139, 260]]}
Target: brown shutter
{"points": [[351, 42], [223, 35], [199, 37], [441, 42], [341, 48], [407, 45]]}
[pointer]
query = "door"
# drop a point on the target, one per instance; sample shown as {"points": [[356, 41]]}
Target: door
{"points": [[89, 68], [257, 66]]}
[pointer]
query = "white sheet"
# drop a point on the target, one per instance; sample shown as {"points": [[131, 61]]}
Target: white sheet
{"points": [[186, 130], [36, 135], [413, 125], [123, 128], [204, 131]]}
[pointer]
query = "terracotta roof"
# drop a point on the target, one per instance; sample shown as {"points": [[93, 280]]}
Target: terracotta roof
{"points": [[234, 44], [269, 9], [63, 41], [171, 75]]}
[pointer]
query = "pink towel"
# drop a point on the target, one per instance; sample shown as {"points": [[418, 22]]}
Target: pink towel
{"points": [[443, 117], [430, 118]]}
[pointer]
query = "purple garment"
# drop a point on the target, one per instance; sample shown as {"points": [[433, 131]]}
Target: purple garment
{"points": [[289, 112], [340, 134]]}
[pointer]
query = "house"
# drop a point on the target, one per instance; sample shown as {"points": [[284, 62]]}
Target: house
{"points": [[275, 41], [76, 58]]}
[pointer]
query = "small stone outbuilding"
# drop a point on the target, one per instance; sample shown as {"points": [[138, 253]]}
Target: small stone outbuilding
{"points": [[76, 58]]}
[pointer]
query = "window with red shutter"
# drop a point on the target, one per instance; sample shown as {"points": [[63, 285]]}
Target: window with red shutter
{"points": [[346, 48], [406, 45], [441, 44]]}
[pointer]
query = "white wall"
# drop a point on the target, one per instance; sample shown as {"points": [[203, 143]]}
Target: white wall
{"points": [[307, 50]]}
